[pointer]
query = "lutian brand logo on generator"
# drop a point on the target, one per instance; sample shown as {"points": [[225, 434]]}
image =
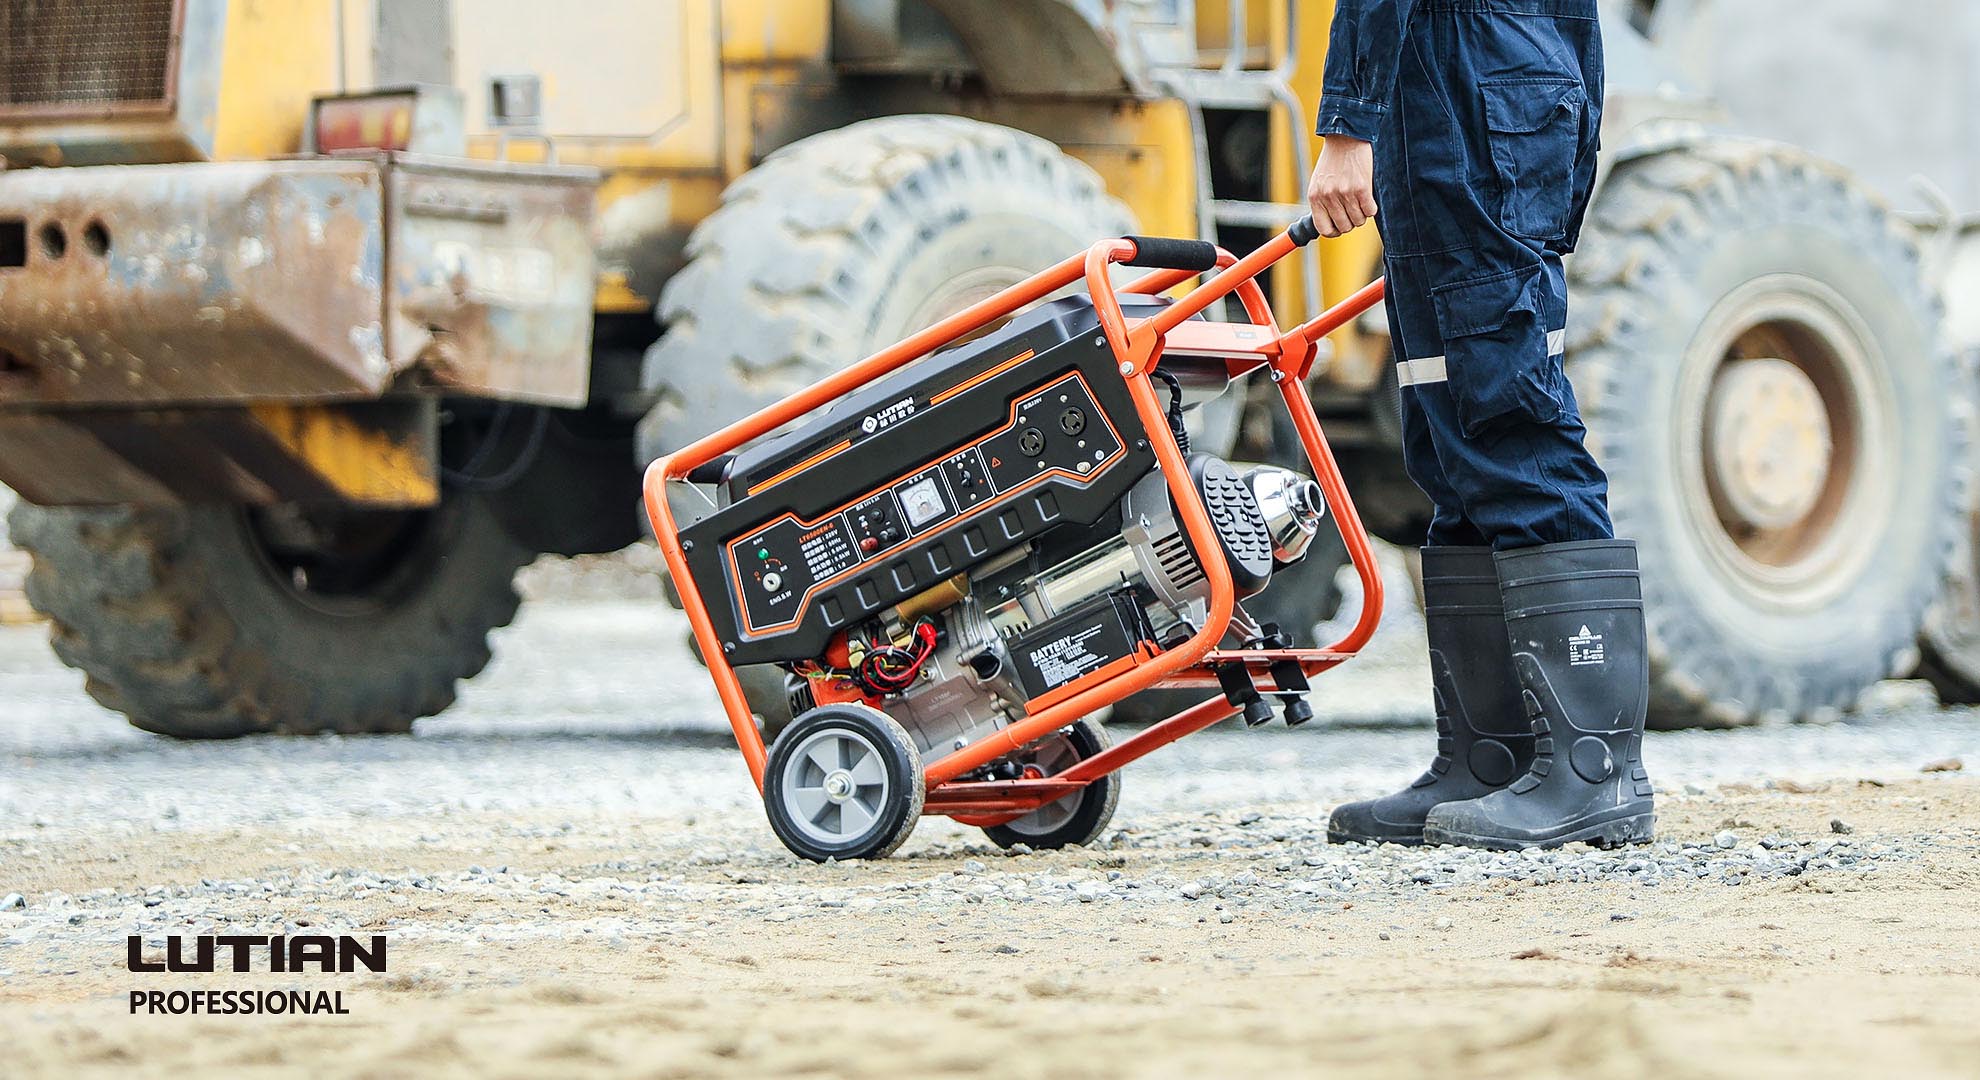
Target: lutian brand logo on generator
{"points": [[304, 954]]}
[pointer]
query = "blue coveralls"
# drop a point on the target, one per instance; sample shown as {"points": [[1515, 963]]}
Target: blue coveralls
{"points": [[1484, 118]]}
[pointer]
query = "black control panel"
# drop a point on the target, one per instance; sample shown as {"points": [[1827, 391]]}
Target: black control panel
{"points": [[782, 565], [1026, 435]]}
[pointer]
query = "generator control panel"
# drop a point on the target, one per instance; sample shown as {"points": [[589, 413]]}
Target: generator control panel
{"points": [[782, 565], [921, 477]]}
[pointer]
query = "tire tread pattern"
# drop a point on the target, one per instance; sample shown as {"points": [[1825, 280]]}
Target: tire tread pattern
{"points": [[130, 597], [1630, 258]]}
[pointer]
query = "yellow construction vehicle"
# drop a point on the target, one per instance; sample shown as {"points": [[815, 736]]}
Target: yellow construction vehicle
{"points": [[320, 318]]}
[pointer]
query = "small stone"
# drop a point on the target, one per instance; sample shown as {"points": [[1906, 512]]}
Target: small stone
{"points": [[1725, 841], [13, 901], [974, 867], [1383, 936], [1192, 890], [1019, 849], [1838, 825], [1006, 949], [1951, 764], [1226, 917], [1440, 923]]}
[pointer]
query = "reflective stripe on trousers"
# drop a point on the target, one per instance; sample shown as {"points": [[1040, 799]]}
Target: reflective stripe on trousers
{"points": [[1433, 369]]}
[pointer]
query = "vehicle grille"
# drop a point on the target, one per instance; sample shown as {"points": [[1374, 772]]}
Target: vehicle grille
{"points": [[62, 55]]}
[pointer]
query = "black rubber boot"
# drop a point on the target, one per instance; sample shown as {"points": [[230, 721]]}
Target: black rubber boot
{"points": [[1574, 613], [1483, 741]]}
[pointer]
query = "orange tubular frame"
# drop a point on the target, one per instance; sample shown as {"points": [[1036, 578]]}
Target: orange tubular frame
{"points": [[1138, 346]]}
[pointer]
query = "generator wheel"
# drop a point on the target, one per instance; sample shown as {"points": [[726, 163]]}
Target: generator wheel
{"points": [[1078, 818], [218, 622], [843, 782], [1765, 378]]}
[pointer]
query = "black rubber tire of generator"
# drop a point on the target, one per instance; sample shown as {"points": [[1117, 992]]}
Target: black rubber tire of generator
{"points": [[179, 621], [906, 792], [840, 244], [1090, 816], [1676, 241]]}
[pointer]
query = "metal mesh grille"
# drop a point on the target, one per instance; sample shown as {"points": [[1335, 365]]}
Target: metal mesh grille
{"points": [[79, 53]]}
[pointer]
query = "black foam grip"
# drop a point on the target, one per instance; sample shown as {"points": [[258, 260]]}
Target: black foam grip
{"points": [[1168, 253], [710, 472], [1303, 231]]}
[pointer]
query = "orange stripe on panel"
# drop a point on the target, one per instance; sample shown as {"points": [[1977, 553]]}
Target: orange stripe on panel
{"points": [[985, 377]]}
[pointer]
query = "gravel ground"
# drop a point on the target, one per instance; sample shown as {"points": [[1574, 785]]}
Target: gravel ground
{"points": [[576, 879]]}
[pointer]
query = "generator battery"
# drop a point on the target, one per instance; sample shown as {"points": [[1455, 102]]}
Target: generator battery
{"points": [[1079, 642]]}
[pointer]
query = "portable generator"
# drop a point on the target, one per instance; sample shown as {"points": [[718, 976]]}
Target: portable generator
{"points": [[960, 560]]}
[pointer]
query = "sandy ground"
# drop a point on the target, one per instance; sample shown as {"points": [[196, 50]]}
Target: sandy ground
{"points": [[1817, 975], [575, 881]]}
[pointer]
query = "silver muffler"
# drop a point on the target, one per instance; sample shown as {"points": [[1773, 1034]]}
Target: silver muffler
{"points": [[1293, 506]]}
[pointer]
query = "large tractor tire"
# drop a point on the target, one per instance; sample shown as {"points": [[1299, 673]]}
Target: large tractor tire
{"points": [[1786, 430], [843, 243], [1950, 645], [219, 622]]}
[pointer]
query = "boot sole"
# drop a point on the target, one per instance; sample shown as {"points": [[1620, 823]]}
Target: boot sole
{"points": [[1607, 835], [1408, 840]]}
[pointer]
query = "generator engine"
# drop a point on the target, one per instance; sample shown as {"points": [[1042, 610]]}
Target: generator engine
{"points": [[959, 543]]}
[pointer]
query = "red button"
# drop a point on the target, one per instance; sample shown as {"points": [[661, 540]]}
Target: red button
{"points": [[868, 544]]}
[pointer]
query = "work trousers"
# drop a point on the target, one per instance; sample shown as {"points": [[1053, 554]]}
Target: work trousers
{"points": [[1483, 171]]}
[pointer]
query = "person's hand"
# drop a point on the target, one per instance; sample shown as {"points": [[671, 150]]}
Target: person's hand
{"points": [[1342, 192]]}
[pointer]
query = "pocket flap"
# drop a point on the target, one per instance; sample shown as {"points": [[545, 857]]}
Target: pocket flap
{"points": [[1482, 305], [1514, 108]]}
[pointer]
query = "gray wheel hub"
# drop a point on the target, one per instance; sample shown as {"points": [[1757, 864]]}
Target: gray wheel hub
{"points": [[835, 787], [1770, 442]]}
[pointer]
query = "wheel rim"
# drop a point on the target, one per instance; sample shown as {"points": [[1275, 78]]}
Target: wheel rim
{"points": [[1795, 417], [1054, 755], [836, 787], [956, 294]]}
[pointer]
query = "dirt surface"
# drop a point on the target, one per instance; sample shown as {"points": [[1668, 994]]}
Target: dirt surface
{"points": [[574, 880], [1828, 973]]}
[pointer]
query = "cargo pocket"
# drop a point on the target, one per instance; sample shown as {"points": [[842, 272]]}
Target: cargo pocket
{"points": [[1534, 127], [1495, 351]]}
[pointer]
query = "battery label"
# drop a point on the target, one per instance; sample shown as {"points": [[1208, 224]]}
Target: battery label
{"points": [[1077, 643], [1067, 658]]}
